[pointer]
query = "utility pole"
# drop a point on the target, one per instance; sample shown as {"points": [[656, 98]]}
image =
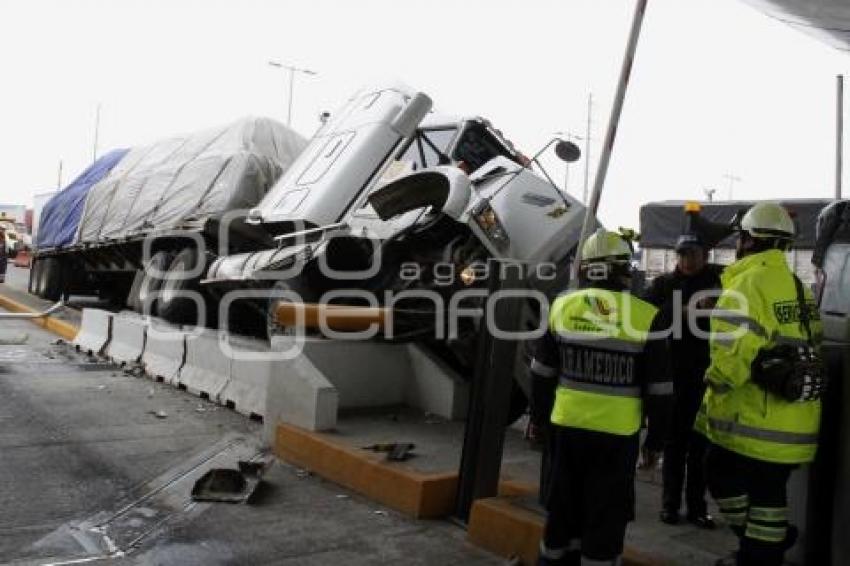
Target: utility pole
{"points": [[96, 131], [709, 193], [732, 178], [59, 179], [839, 136], [292, 70], [587, 147]]}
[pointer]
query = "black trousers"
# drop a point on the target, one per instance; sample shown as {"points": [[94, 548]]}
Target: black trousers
{"points": [[684, 455], [752, 495], [591, 494]]}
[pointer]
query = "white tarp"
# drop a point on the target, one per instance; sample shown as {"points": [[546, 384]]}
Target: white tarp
{"points": [[189, 177]]}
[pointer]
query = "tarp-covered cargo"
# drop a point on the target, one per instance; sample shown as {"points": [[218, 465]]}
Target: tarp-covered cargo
{"points": [[661, 223], [189, 178], [61, 215]]}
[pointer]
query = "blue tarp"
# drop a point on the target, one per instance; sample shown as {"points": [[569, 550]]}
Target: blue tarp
{"points": [[61, 215]]}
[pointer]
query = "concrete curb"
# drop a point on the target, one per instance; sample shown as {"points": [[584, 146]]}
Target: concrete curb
{"points": [[506, 529], [59, 327], [495, 524]]}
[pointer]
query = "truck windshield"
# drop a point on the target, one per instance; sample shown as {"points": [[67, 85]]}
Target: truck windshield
{"points": [[429, 148]]}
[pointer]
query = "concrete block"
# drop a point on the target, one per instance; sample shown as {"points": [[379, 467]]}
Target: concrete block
{"points": [[298, 394], [95, 331], [207, 368], [128, 338], [246, 389], [434, 387], [165, 352], [366, 374]]}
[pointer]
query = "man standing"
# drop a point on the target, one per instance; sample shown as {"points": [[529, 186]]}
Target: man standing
{"points": [[761, 411], [599, 350], [685, 449]]}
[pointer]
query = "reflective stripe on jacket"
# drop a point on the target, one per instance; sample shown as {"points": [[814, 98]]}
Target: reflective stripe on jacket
{"points": [[757, 309], [601, 337]]}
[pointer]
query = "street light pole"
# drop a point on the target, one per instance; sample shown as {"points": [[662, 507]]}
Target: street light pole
{"points": [[292, 70], [732, 178], [96, 132]]}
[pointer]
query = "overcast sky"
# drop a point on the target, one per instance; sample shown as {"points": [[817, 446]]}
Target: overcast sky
{"points": [[718, 87]]}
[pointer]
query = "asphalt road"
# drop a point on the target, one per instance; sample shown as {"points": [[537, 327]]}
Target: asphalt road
{"points": [[97, 466]]}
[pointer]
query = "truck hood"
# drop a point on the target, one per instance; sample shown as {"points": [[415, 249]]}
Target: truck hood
{"points": [[343, 159]]}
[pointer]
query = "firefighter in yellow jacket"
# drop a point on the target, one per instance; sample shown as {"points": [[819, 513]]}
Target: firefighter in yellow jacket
{"points": [[597, 356], [761, 411]]}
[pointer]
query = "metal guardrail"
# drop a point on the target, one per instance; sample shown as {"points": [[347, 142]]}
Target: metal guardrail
{"points": [[29, 315]]}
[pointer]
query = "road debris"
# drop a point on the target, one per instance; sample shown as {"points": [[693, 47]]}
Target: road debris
{"points": [[396, 451], [159, 414], [226, 485]]}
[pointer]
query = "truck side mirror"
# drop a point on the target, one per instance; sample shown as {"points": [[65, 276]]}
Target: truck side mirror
{"points": [[567, 151]]}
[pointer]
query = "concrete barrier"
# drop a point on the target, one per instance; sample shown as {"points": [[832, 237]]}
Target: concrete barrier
{"points": [[298, 394], [128, 338], [95, 331], [434, 387], [206, 370], [246, 389], [165, 352], [329, 375]]}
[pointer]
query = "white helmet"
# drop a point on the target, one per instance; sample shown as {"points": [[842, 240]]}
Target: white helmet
{"points": [[768, 220], [606, 247]]}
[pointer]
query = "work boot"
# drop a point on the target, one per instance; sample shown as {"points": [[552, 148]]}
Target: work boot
{"points": [[702, 520], [791, 537], [669, 516]]}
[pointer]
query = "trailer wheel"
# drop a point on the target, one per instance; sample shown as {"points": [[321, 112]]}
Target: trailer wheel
{"points": [[131, 301], [171, 305], [145, 298], [35, 270]]}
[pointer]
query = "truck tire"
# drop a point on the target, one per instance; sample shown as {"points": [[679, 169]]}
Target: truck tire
{"points": [[52, 279], [171, 306], [145, 299]]}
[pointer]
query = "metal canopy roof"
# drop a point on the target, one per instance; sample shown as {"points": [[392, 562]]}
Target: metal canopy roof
{"points": [[829, 20]]}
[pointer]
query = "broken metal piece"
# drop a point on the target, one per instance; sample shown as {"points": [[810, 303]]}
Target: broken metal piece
{"points": [[227, 485], [396, 451]]}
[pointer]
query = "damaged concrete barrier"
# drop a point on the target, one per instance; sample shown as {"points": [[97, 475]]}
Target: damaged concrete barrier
{"points": [[206, 370], [128, 338], [165, 352], [95, 331]]}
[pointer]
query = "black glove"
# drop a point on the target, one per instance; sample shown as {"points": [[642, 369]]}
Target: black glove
{"points": [[791, 373]]}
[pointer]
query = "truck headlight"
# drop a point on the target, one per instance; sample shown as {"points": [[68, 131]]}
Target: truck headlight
{"points": [[488, 221]]}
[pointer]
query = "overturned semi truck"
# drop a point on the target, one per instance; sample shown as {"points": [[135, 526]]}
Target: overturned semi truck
{"points": [[390, 207]]}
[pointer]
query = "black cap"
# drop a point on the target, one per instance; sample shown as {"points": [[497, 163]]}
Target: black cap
{"points": [[686, 241]]}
